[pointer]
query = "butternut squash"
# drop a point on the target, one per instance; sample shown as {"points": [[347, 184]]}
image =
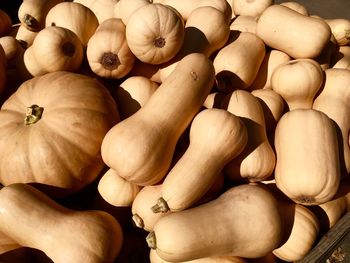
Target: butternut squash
{"points": [[298, 81], [107, 52], [186, 8], [340, 28], [162, 35], [214, 100], [54, 49], [237, 64], [342, 58], [32, 13], [74, 16], [297, 35], [296, 6], [273, 106], [308, 165], [201, 36], [333, 101], [243, 23], [249, 7], [150, 135], [64, 235], [273, 58], [257, 161], [115, 190], [225, 226], [142, 215], [13, 50], [25, 36], [133, 93], [216, 137]]}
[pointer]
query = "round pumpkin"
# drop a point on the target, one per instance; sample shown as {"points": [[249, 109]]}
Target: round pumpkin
{"points": [[51, 131]]}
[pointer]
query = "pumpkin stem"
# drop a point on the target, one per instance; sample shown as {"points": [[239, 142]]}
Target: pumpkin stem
{"points": [[33, 114], [68, 49], [30, 22], [110, 61], [159, 42], [151, 240], [161, 206], [137, 220]]}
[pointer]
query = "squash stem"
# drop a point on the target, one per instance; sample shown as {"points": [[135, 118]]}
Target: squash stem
{"points": [[30, 22], [33, 114], [137, 220], [161, 206], [151, 240]]}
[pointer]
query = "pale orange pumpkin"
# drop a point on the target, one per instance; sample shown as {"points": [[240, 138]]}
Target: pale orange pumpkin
{"points": [[51, 131]]}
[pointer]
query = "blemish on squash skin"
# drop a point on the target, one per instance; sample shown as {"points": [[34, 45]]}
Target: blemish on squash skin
{"points": [[306, 200], [194, 75]]}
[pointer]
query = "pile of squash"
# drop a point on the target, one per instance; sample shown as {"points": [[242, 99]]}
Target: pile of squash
{"points": [[157, 131]]}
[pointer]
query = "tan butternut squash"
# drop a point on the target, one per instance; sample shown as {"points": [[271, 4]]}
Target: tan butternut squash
{"points": [[186, 8], [142, 215], [107, 52], [308, 165], [298, 81], [333, 101], [216, 137], [340, 28], [244, 23], [133, 93], [32, 13], [162, 35], [150, 135], [303, 235], [115, 190], [214, 100], [103, 9], [309, 34], [273, 58], [127, 7], [25, 36], [74, 16], [13, 50], [296, 6], [201, 36], [226, 226], [34, 220], [342, 58], [257, 161], [250, 7], [54, 49], [237, 64], [273, 106]]}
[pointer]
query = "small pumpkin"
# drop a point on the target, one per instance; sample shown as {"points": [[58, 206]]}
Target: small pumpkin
{"points": [[52, 129], [162, 35]]}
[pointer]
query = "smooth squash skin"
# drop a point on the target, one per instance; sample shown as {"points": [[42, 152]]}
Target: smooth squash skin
{"points": [[340, 28], [333, 101], [107, 52], [297, 35], [127, 7], [116, 190], [140, 148], [13, 50], [298, 81], [243, 23], [34, 220], [162, 35], [296, 6], [228, 225], [238, 62], [201, 36], [308, 165], [74, 16], [32, 13], [252, 8], [216, 137], [257, 160], [7, 244], [103, 9], [133, 93]]}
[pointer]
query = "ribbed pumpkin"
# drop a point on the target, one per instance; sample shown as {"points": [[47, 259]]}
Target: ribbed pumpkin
{"points": [[51, 131]]}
